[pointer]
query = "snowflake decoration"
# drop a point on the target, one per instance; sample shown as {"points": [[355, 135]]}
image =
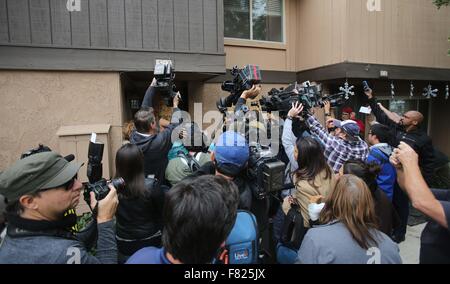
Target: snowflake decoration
{"points": [[429, 92], [347, 89], [446, 92], [392, 90], [411, 90]]}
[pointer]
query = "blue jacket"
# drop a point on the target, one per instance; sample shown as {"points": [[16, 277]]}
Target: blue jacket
{"points": [[387, 177]]}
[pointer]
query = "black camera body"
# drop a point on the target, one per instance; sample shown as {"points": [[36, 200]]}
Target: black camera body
{"points": [[243, 79], [266, 170], [164, 74], [101, 189]]}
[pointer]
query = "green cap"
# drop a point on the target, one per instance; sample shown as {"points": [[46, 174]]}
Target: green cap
{"points": [[39, 171]]}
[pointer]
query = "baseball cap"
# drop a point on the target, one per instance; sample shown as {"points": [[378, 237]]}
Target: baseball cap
{"points": [[347, 110], [231, 153], [36, 172], [348, 126]]}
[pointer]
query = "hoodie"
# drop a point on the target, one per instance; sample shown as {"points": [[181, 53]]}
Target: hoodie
{"points": [[386, 179]]}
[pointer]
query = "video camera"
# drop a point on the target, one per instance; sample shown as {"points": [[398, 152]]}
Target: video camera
{"points": [[164, 74], [309, 95], [266, 170], [243, 79]]}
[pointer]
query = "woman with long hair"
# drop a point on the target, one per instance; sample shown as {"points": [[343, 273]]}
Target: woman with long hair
{"points": [[312, 178], [139, 214], [384, 210], [349, 233]]}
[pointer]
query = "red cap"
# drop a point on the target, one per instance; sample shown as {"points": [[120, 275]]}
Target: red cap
{"points": [[347, 110]]}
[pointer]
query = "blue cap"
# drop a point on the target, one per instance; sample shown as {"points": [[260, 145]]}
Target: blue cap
{"points": [[231, 152]]}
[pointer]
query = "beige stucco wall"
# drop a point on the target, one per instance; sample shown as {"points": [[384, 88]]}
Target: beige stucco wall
{"points": [[404, 32], [325, 32], [35, 104]]}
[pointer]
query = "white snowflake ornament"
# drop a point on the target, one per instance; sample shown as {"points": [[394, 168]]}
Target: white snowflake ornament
{"points": [[348, 90], [429, 92]]}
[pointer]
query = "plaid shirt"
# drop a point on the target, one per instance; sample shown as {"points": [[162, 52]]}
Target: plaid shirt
{"points": [[338, 150]]}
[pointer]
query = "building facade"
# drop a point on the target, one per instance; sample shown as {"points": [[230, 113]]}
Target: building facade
{"points": [[70, 67]]}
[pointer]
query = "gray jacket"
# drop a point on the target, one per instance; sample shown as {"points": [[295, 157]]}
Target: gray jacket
{"points": [[47, 249], [333, 244]]}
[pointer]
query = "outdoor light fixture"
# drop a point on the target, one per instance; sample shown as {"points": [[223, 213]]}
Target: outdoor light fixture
{"points": [[384, 74]]}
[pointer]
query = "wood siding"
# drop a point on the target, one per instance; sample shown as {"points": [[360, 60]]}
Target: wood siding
{"points": [[167, 26]]}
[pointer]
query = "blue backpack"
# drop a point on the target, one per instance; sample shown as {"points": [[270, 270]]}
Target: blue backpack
{"points": [[241, 246]]}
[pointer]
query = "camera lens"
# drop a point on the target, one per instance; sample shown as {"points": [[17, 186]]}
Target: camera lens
{"points": [[118, 183]]}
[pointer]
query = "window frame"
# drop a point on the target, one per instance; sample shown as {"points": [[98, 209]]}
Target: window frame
{"points": [[283, 26]]}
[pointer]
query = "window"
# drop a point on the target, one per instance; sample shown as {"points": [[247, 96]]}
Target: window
{"points": [[254, 19]]}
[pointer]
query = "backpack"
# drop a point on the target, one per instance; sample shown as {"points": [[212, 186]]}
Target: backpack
{"points": [[241, 246], [192, 162], [294, 229]]}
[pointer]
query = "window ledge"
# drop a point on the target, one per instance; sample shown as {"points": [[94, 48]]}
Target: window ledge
{"points": [[254, 43]]}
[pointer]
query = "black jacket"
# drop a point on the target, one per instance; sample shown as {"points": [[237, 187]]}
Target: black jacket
{"points": [[155, 149], [417, 139], [140, 217]]}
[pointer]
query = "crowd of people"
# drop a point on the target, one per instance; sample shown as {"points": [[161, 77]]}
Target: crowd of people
{"points": [[347, 198]]}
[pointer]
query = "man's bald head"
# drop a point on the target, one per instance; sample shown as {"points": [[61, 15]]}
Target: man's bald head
{"points": [[415, 116], [411, 120]]}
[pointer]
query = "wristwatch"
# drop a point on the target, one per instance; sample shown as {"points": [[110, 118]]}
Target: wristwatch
{"points": [[327, 114]]}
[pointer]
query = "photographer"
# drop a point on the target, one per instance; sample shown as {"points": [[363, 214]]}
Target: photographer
{"points": [[139, 214], [189, 157], [407, 129], [155, 146], [39, 189], [434, 203], [229, 160], [199, 214], [345, 145]]}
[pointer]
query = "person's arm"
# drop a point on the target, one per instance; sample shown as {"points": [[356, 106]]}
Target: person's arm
{"points": [[247, 94], [319, 131], [289, 140], [391, 115], [405, 159], [149, 94], [327, 108], [106, 251], [376, 110]]}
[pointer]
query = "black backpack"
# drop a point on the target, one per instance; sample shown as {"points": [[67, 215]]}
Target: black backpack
{"points": [[294, 229]]}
